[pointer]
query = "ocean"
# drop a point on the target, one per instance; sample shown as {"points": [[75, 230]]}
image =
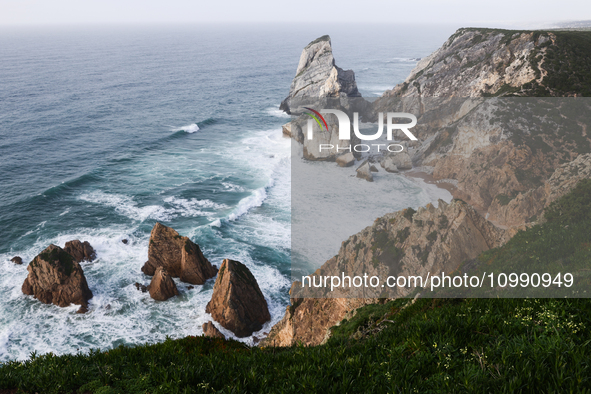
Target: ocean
{"points": [[106, 130]]}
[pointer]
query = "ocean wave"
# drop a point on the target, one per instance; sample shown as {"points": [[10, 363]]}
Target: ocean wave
{"points": [[275, 111], [190, 129], [126, 206], [256, 199]]}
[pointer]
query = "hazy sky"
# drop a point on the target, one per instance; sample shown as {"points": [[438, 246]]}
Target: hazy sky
{"points": [[464, 12]]}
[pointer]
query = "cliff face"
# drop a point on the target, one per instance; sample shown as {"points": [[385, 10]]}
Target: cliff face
{"points": [[401, 243], [495, 150], [479, 62], [318, 76], [509, 158]]}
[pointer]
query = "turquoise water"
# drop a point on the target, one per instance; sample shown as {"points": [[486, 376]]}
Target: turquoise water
{"points": [[104, 131]]}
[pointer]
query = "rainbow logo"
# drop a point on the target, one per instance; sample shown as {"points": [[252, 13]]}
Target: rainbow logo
{"points": [[316, 118]]}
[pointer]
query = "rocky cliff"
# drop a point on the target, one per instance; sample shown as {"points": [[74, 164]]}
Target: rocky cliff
{"points": [[495, 149], [405, 243], [508, 158]]}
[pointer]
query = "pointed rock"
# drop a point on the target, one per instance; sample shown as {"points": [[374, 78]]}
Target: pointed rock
{"points": [[56, 277], [318, 76], [81, 251], [162, 286], [237, 302], [364, 172], [181, 257], [209, 330]]}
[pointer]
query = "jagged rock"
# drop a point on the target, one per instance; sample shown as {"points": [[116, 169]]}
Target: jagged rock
{"points": [[318, 76], [346, 160], [373, 168], [56, 277], [82, 309], [237, 302], [17, 260], [125, 241], [209, 330], [286, 129], [81, 251], [162, 286], [141, 287], [364, 172], [529, 206], [181, 257], [388, 165], [401, 160], [473, 62], [190, 288]]}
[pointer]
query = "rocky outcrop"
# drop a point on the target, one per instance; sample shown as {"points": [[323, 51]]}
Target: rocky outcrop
{"points": [[81, 251], [162, 286], [17, 260], [403, 243], [209, 330], [396, 161], [318, 76], [529, 206], [140, 287], [55, 277], [346, 160], [364, 171], [478, 62], [237, 302], [496, 150], [178, 255]]}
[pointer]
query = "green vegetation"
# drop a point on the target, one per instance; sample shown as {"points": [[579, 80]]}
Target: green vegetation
{"points": [[409, 213], [431, 345], [60, 259], [476, 345]]}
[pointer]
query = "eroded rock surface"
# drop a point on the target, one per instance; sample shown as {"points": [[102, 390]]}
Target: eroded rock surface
{"points": [[318, 76], [179, 256], [209, 330], [162, 287], [55, 277], [237, 302], [81, 251]]}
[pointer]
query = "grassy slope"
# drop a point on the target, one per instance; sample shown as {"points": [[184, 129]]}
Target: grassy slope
{"points": [[473, 345]]}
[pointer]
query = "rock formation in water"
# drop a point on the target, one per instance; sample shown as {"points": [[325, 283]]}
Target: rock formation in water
{"points": [[179, 256], [209, 330], [237, 302], [318, 76], [55, 277], [162, 287], [17, 260], [364, 171], [81, 251]]}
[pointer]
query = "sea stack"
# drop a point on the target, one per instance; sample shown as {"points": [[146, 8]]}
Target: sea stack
{"points": [[162, 286], [237, 302], [179, 256], [55, 277], [318, 76]]}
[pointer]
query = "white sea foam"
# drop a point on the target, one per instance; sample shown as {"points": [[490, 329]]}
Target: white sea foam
{"points": [[230, 187], [126, 206], [275, 111]]}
